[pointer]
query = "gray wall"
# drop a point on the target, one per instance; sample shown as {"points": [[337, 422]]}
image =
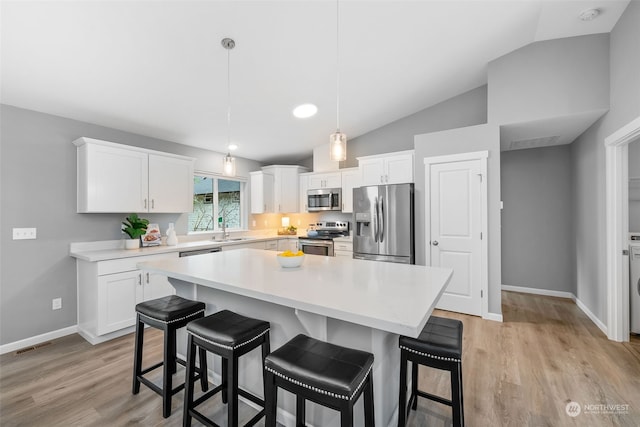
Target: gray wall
{"points": [[588, 159], [634, 200], [537, 218], [467, 109], [38, 188], [473, 138], [551, 78]]}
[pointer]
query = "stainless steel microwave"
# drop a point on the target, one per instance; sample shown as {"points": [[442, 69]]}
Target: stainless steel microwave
{"points": [[324, 199]]}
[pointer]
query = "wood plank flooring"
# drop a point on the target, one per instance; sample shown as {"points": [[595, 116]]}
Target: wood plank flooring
{"points": [[521, 372]]}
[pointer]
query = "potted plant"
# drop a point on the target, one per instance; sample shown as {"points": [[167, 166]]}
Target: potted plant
{"points": [[135, 227]]}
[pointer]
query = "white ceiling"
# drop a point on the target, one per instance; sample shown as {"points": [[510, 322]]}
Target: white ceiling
{"points": [[157, 67]]}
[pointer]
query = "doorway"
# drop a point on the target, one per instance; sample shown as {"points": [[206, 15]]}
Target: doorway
{"points": [[456, 228], [617, 228]]}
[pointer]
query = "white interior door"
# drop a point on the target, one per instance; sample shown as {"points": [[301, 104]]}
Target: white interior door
{"points": [[454, 230]]}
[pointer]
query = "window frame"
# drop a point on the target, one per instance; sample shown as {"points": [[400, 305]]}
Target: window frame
{"points": [[215, 204]]}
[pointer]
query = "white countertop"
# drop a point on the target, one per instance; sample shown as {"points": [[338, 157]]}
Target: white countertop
{"points": [[396, 298], [102, 251]]}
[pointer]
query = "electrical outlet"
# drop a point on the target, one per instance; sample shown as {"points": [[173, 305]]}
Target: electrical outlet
{"points": [[56, 304], [253, 223], [24, 233]]}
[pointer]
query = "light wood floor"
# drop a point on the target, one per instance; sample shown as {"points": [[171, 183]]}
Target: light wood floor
{"points": [[521, 372]]}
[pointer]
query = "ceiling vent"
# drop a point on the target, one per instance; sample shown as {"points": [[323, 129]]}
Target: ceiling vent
{"points": [[523, 144]]}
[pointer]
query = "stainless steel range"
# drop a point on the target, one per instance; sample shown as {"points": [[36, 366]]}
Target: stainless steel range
{"points": [[321, 242]]}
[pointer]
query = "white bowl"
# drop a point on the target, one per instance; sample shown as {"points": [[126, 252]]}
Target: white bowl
{"points": [[290, 261]]}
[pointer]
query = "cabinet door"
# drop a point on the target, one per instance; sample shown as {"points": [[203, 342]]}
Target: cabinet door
{"points": [[156, 286], [350, 180], [170, 184], [117, 296], [254, 245], [399, 169], [325, 180], [303, 187], [261, 192], [372, 171], [287, 200], [287, 245], [316, 181], [271, 245], [112, 179]]}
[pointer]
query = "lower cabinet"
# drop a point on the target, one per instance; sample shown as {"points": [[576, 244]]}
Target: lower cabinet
{"points": [[254, 245], [108, 292], [288, 245], [341, 248]]}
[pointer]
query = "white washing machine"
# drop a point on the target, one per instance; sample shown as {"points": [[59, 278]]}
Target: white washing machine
{"points": [[634, 287]]}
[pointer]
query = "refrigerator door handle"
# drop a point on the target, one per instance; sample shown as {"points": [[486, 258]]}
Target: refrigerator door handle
{"points": [[638, 286], [376, 218], [381, 219]]}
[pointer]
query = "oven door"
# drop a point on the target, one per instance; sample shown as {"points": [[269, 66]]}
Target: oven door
{"points": [[317, 247]]}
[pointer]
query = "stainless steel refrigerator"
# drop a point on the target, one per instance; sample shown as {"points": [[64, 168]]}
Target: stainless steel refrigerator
{"points": [[383, 218]]}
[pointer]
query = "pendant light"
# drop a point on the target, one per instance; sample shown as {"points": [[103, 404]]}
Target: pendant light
{"points": [[229, 163], [338, 140]]}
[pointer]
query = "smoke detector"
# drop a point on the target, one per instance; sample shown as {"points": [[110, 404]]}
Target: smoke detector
{"points": [[589, 14]]}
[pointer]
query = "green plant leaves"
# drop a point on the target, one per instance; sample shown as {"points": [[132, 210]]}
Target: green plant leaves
{"points": [[134, 226]]}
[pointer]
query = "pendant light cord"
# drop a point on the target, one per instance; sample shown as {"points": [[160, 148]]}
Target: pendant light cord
{"points": [[228, 98], [338, 65]]}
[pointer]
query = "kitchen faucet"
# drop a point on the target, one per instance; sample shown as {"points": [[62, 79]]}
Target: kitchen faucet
{"points": [[225, 235]]}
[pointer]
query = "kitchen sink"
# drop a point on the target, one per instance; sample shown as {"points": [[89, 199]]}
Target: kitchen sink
{"points": [[234, 239]]}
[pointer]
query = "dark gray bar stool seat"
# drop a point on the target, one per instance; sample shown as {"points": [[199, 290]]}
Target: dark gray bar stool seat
{"points": [[324, 373], [229, 335], [167, 314], [439, 345]]}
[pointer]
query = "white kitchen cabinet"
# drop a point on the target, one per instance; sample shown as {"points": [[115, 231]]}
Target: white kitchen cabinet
{"points": [[288, 245], [261, 192], [271, 245], [390, 168], [303, 187], [253, 245], [108, 292], [119, 178], [285, 188], [343, 248], [350, 180], [325, 180]]}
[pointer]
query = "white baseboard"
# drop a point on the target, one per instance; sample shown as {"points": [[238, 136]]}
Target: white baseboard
{"points": [[592, 316], [536, 291], [28, 342], [559, 294], [493, 316]]}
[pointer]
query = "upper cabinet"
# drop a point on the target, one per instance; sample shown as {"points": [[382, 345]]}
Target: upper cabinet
{"points": [[285, 187], [275, 189], [350, 180], [120, 178], [261, 192], [390, 168], [325, 180]]}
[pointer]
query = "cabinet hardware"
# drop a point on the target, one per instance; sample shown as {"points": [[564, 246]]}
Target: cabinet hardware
{"points": [[153, 203], [147, 277], [140, 279], [145, 203]]}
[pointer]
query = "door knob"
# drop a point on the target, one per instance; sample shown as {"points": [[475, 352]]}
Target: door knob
{"points": [[434, 243]]}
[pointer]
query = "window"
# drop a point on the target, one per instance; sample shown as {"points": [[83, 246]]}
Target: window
{"points": [[212, 194]]}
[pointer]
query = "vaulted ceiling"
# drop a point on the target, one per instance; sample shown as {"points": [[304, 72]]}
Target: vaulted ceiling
{"points": [[157, 68]]}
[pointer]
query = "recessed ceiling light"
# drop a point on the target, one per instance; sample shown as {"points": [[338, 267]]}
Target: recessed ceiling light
{"points": [[232, 147], [305, 110], [589, 14]]}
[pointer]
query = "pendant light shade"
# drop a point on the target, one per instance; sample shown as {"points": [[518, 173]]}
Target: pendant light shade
{"points": [[228, 163], [338, 140], [338, 144]]}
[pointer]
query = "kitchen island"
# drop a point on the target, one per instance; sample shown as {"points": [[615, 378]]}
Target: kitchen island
{"points": [[354, 303]]}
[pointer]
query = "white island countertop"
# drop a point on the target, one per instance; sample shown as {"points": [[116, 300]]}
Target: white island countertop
{"points": [[395, 298]]}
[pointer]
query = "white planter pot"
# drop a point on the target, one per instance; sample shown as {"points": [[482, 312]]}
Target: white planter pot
{"points": [[132, 243]]}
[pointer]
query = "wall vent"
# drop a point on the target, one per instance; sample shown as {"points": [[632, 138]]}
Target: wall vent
{"points": [[33, 347], [523, 144]]}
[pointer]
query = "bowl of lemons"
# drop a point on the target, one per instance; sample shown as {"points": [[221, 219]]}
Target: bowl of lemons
{"points": [[288, 259]]}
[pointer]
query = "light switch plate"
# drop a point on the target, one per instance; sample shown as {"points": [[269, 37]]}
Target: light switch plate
{"points": [[24, 233]]}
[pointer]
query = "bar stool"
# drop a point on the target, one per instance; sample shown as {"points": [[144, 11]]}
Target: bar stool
{"points": [[327, 374], [167, 314], [229, 335], [439, 345]]}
